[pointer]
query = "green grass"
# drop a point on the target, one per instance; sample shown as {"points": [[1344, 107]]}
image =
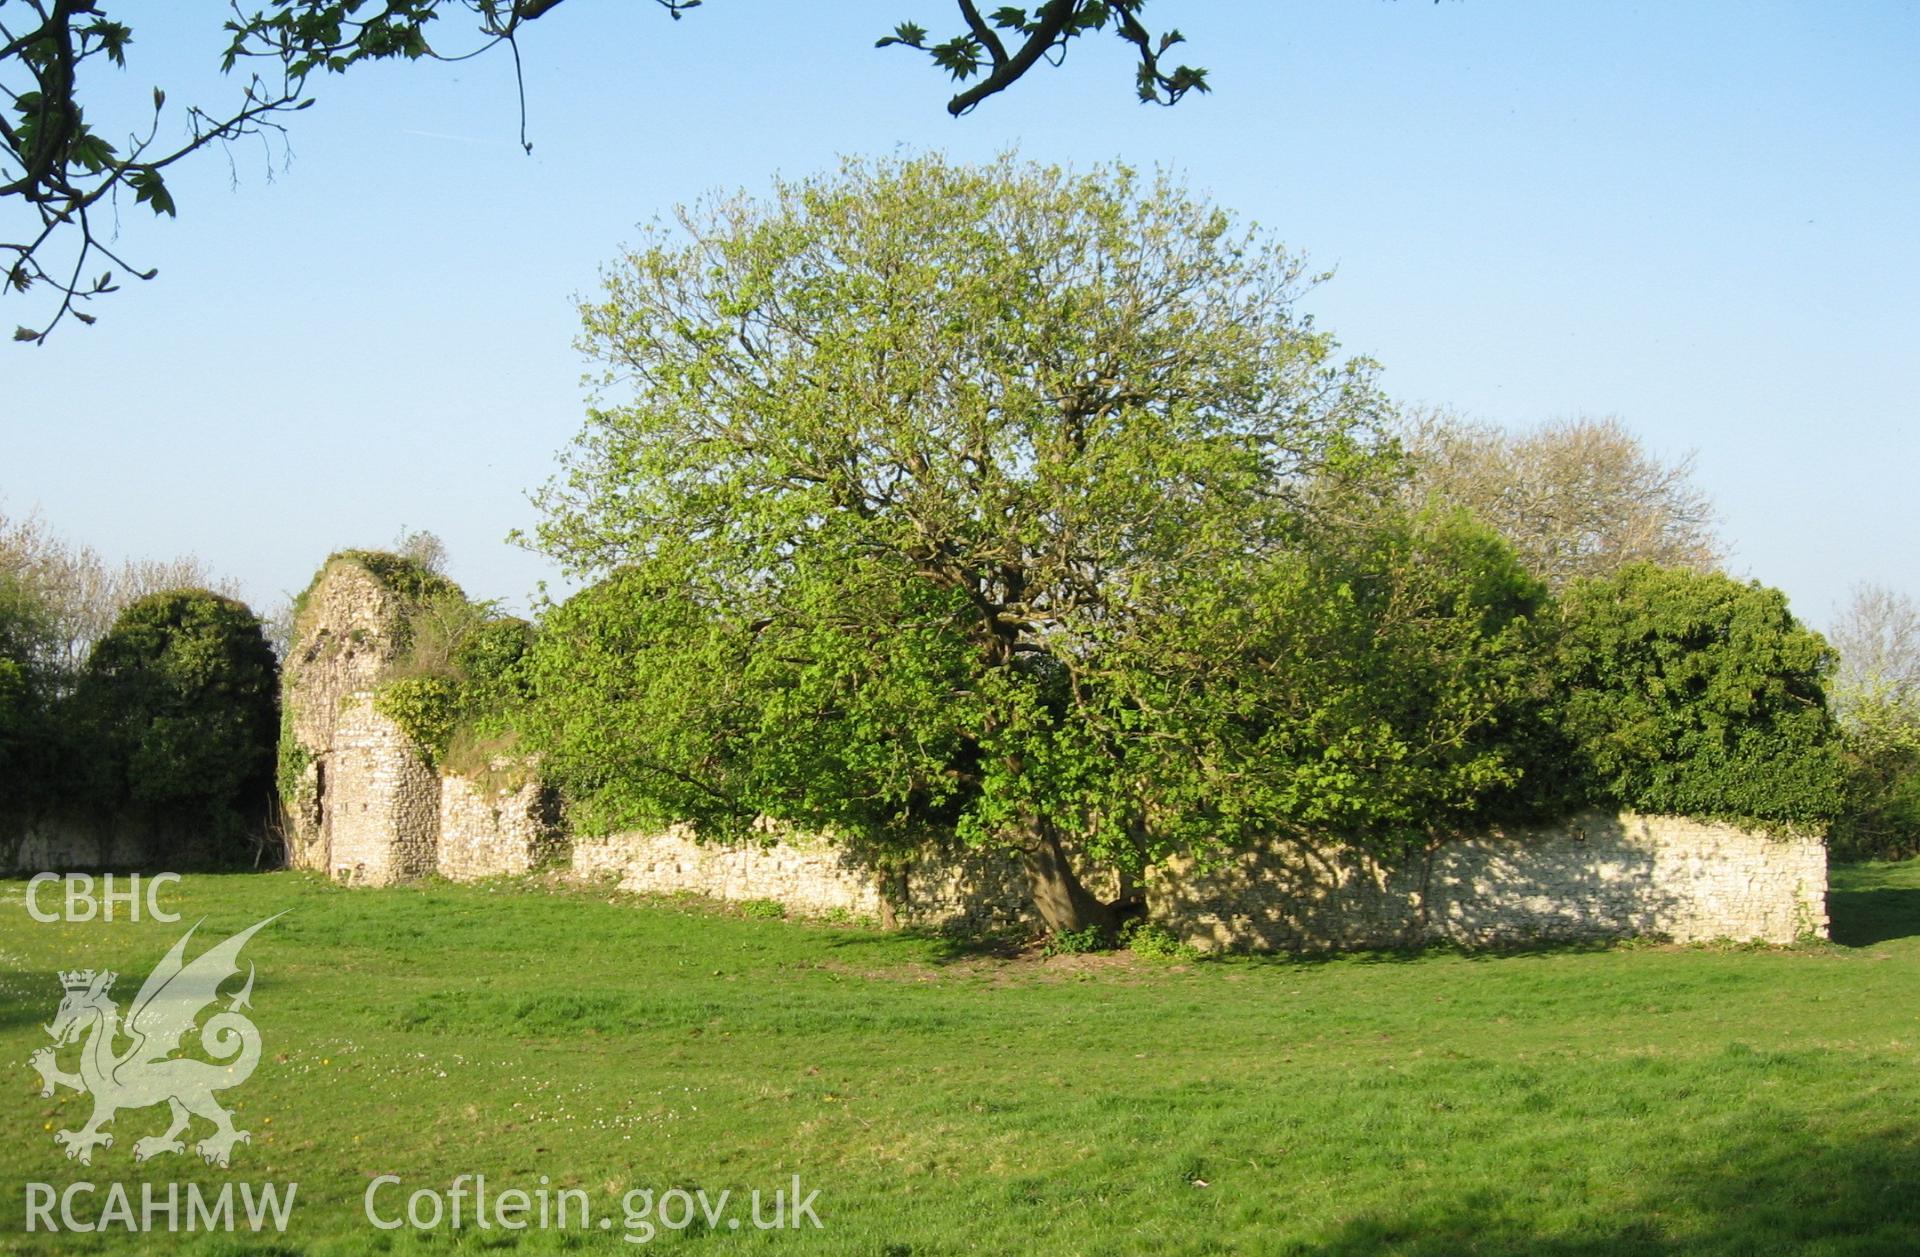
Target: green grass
{"points": [[1566, 1103]]}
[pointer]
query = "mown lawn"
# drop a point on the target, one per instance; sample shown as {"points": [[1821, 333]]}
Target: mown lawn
{"points": [[1596, 1103]]}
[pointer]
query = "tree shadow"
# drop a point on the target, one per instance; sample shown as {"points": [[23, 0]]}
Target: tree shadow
{"points": [[29, 999], [1579, 880], [1751, 1197], [947, 947], [1868, 904]]}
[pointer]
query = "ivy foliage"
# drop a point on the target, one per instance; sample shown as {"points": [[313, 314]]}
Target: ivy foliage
{"points": [[179, 704], [1693, 693], [456, 677], [411, 579]]}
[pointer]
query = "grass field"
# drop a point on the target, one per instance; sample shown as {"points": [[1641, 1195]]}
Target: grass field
{"points": [[1565, 1103]]}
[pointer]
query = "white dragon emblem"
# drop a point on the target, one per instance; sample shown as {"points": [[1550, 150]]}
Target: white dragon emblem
{"points": [[168, 1006]]}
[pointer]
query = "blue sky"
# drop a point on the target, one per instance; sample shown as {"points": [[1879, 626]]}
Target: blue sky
{"points": [[1698, 217]]}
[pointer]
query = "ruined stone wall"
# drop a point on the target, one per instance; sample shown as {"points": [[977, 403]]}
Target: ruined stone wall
{"points": [[1595, 876], [941, 888], [382, 800], [365, 804], [75, 838], [1592, 877], [62, 842], [369, 808], [347, 633], [491, 830]]}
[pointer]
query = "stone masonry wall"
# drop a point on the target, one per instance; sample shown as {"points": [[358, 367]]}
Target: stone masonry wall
{"points": [[489, 831], [1595, 876], [383, 803], [366, 805], [941, 889], [347, 634], [64, 842], [1591, 877]]}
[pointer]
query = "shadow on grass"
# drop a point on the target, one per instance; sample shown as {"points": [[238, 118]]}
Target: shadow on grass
{"points": [[1873, 902], [1752, 1198], [29, 999], [944, 948], [956, 948], [1861, 918]]}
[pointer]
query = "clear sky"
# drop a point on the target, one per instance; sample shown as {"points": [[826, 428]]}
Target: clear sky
{"points": [[1700, 217]]}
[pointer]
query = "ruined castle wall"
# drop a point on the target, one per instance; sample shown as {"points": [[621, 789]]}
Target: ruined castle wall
{"points": [[348, 632], [491, 831], [1595, 876], [951, 888], [1591, 877], [383, 801]]}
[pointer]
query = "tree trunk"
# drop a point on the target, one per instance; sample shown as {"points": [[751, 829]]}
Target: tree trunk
{"points": [[1062, 902]]}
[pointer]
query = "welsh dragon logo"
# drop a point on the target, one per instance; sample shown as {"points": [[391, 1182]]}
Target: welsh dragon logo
{"points": [[168, 1007]]}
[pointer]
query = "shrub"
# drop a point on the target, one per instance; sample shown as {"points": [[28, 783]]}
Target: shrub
{"points": [[178, 701], [763, 909], [1880, 819], [1693, 693], [1154, 941], [1078, 942]]}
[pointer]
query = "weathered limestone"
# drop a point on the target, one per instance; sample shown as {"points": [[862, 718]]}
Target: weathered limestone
{"points": [[348, 632], [1592, 877], [488, 831], [367, 807], [382, 812], [956, 889]]}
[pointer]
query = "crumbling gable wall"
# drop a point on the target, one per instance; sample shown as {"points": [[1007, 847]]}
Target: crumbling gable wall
{"points": [[365, 804], [347, 630], [383, 816]]}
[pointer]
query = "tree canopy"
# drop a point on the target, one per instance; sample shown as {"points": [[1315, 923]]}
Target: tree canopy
{"points": [[61, 172], [1876, 697], [1696, 694], [1577, 497], [180, 703], [1011, 502]]}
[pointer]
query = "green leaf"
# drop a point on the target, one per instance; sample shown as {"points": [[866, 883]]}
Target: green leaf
{"points": [[150, 188], [959, 57], [25, 333], [90, 151], [906, 33]]}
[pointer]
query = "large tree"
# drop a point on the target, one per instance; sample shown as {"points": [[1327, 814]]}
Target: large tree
{"points": [[179, 703], [1014, 503], [81, 592], [1876, 696], [65, 171], [1579, 497]]}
